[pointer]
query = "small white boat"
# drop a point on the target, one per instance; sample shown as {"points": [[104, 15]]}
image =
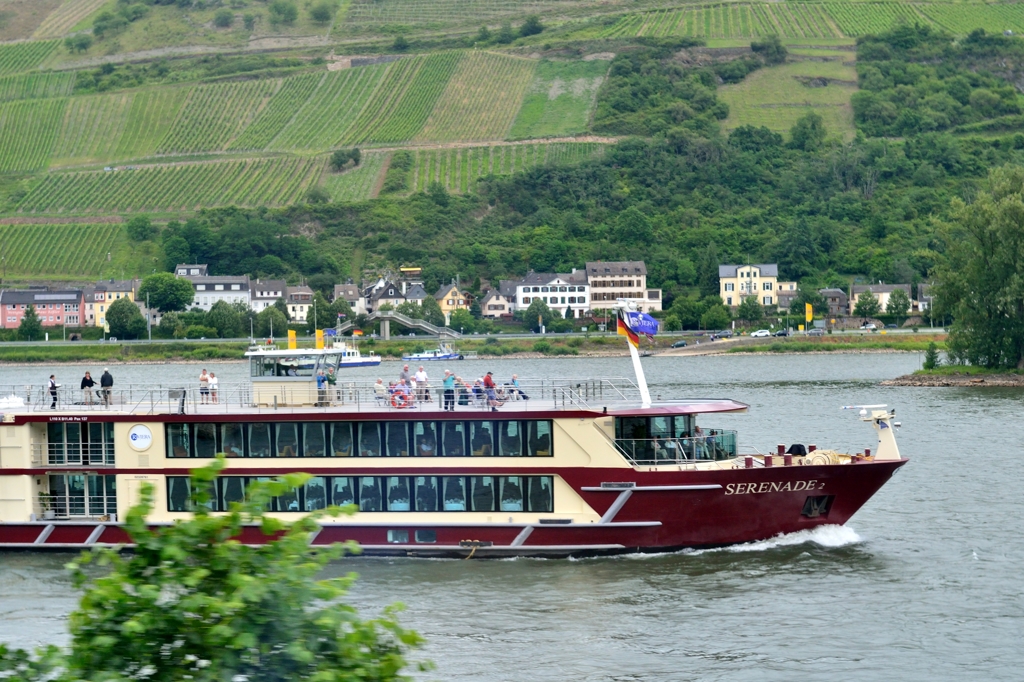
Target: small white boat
{"points": [[444, 351]]}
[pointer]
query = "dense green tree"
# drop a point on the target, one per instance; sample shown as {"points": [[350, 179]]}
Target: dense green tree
{"points": [[320, 316], [931, 356], [430, 309], [505, 34], [271, 322], [808, 295], [139, 228], [79, 43], [898, 304], [189, 603], [867, 305], [483, 36], [225, 318], [176, 251], [461, 319], [166, 292], [223, 18], [537, 309], [400, 44], [30, 328], [317, 195], [770, 49], [125, 320], [531, 27], [322, 12], [808, 133], [716, 317], [283, 12], [980, 281], [750, 310], [707, 270]]}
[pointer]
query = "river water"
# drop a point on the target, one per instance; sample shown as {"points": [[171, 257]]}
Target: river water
{"points": [[923, 584]]}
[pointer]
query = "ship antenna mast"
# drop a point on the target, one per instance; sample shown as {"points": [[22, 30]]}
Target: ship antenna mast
{"points": [[623, 306]]}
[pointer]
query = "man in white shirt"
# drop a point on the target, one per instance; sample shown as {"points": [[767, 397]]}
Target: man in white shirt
{"points": [[421, 384]]}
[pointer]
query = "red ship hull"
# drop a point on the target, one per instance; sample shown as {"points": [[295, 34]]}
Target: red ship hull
{"points": [[642, 511]]}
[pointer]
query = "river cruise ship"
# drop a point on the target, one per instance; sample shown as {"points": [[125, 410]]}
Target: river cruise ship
{"points": [[555, 468]]}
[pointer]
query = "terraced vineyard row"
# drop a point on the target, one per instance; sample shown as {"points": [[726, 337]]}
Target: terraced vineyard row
{"points": [[412, 110], [92, 127], [64, 18], [862, 18], [481, 99], [730, 21], [383, 101], [150, 117], [279, 110], [213, 115], [459, 169], [965, 18], [446, 11], [250, 182], [329, 112], [358, 183], [36, 86], [28, 130], [69, 249], [21, 57]]}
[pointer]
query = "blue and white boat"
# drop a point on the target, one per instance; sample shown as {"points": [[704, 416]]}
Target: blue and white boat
{"points": [[444, 351]]}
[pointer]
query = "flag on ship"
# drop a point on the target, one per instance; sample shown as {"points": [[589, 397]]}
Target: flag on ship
{"points": [[632, 324]]}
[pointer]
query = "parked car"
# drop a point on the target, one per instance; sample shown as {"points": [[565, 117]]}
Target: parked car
{"points": [[891, 326], [816, 332], [869, 325], [724, 334], [681, 343], [782, 332], [760, 334]]}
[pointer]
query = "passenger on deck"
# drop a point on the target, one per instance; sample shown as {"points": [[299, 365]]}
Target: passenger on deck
{"points": [[380, 392]]}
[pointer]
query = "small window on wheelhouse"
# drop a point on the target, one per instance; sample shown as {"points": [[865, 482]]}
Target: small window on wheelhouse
{"points": [[398, 537], [426, 536]]}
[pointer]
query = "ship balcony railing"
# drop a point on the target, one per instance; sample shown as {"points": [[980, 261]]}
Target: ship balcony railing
{"points": [[653, 451], [72, 454], [356, 396], [62, 506]]}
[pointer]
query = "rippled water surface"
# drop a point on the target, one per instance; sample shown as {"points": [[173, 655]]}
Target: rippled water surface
{"points": [[925, 583]]}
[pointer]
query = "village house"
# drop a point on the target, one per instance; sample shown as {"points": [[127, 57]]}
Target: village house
{"points": [[266, 292], [103, 294], [351, 294], [880, 291], [450, 299], [210, 289], [612, 280], [389, 294], [559, 291], [837, 300], [785, 294], [495, 305], [299, 300], [736, 282], [55, 307]]}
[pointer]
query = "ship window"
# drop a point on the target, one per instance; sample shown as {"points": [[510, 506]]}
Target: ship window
{"points": [[425, 438], [231, 440], [313, 442], [510, 441], [177, 440], [398, 537], [539, 498], [539, 439], [341, 439], [481, 440], [74, 442], [511, 488], [454, 493], [426, 536], [426, 493], [398, 439], [398, 493], [259, 440], [369, 439], [315, 494], [179, 493], [232, 489], [454, 439], [287, 439], [205, 440], [342, 491], [370, 499], [55, 443], [289, 501], [661, 427], [482, 496]]}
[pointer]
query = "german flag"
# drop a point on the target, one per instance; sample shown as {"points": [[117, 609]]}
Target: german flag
{"points": [[624, 330]]}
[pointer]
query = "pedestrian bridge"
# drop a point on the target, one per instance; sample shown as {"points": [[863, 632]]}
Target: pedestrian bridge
{"points": [[386, 317]]}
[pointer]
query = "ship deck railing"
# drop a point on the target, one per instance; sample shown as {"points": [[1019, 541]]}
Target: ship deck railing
{"points": [[349, 396], [692, 450], [69, 505]]}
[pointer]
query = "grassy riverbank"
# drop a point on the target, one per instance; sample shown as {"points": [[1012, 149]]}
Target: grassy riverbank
{"points": [[844, 343], [115, 352]]}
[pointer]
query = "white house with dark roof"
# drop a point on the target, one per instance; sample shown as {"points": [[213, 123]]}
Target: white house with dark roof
{"points": [[210, 289], [736, 282], [880, 291], [560, 291], [266, 292]]}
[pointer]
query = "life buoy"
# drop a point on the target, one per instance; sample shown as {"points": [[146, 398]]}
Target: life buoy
{"points": [[399, 400]]}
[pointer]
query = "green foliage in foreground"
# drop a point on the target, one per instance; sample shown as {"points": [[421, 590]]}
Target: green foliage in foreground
{"points": [[192, 603]]}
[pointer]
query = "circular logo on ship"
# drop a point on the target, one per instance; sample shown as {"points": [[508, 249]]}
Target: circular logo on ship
{"points": [[140, 437]]}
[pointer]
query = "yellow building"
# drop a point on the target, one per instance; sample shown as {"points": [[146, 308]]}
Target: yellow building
{"points": [[736, 282], [451, 299], [103, 294]]}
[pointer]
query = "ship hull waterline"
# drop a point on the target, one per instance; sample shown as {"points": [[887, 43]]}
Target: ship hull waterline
{"points": [[663, 511]]}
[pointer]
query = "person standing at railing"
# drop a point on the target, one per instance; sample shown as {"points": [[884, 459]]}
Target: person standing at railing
{"points": [[213, 387], [53, 391], [87, 384], [204, 387], [700, 442], [333, 392], [421, 385], [321, 389], [106, 386], [448, 387]]}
